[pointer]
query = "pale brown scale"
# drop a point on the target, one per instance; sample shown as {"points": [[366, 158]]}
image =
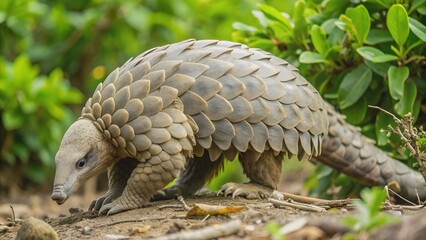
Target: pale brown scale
{"points": [[108, 106], [167, 94], [114, 130], [172, 146], [108, 92], [139, 89], [96, 110], [152, 105], [193, 102], [242, 109], [101, 124], [161, 120], [177, 131], [262, 110], [123, 81], [180, 82], [97, 97], [122, 97], [168, 66], [127, 132], [224, 133], [206, 87], [155, 149], [158, 135], [141, 142], [134, 107], [177, 115], [231, 86], [120, 117], [193, 70], [140, 125]]}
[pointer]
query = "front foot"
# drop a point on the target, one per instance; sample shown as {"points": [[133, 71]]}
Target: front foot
{"points": [[119, 205], [95, 205], [247, 190], [168, 193]]}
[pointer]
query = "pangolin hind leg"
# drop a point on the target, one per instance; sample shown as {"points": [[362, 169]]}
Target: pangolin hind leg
{"points": [[118, 175], [197, 172], [264, 171], [146, 179]]}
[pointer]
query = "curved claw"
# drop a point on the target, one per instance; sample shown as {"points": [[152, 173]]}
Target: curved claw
{"points": [[166, 194], [237, 192], [248, 190], [106, 208], [96, 204]]}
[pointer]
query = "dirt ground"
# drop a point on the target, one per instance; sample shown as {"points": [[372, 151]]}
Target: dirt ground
{"points": [[72, 221], [165, 217]]}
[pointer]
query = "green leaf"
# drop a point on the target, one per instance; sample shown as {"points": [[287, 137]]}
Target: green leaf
{"points": [[319, 40], [12, 120], [406, 104], [274, 14], [422, 10], [355, 114], [376, 36], [354, 85], [383, 3], [397, 21], [418, 28], [300, 26], [397, 77], [416, 4], [311, 57], [361, 21], [375, 55], [379, 68], [243, 27]]}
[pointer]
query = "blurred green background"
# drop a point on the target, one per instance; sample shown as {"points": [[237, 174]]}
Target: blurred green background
{"points": [[54, 53]]}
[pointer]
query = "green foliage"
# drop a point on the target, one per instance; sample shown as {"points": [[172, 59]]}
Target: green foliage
{"points": [[356, 54], [368, 215], [273, 229], [34, 116]]}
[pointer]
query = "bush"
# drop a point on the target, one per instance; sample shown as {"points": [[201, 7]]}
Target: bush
{"points": [[34, 115], [355, 54]]}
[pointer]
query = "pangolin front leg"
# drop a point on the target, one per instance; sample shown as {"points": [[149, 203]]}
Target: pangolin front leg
{"points": [[118, 175], [197, 172], [264, 171], [146, 179]]}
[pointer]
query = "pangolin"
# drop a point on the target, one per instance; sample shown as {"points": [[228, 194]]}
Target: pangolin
{"points": [[179, 110]]}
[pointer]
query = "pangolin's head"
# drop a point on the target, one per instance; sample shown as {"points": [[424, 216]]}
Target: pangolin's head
{"points": [[83, 153]]}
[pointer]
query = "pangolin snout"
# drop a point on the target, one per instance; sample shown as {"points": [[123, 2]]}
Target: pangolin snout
{"points": [[58, 195]]}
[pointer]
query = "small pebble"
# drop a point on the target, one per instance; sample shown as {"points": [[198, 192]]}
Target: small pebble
{"points": [[86, 230], [33, 228], [74, 210], [394, 212]]}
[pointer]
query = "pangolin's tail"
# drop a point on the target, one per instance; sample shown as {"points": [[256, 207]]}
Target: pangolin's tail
{"points": [[347, 151]]}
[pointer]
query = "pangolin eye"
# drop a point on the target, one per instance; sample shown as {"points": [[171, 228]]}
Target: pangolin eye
{"points": [[80, 163]]}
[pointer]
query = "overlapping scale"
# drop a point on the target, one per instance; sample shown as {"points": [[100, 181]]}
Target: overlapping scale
{"points": [[226, 97]]}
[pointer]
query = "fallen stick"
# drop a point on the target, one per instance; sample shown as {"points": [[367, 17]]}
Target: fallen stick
{"points": [[317, 201], [209, 232], [301, 206]]}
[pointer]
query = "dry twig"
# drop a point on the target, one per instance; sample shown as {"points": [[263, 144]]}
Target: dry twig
{"points": [[301, 206], [184, 205], [209, 232], [318, 201], [409, 136]]}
